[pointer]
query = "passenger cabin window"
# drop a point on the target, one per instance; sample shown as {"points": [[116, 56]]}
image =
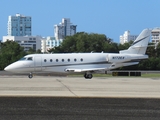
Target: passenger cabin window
{"points": [[56, 60], [68, 60], [81, 59], [75, 59], [62, 60], [45, 60], [51, 60]]}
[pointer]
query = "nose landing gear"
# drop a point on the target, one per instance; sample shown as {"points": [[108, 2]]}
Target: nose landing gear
{"points": [[30, 75]]}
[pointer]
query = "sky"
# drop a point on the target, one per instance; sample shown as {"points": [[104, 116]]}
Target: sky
{"points": [[109, 17]]}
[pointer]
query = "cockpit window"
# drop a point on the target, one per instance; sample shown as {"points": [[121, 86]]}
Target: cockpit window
{"points": [[30, 58], [24, 58]]}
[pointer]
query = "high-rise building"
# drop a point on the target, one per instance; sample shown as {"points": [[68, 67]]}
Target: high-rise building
{"points": [[155, 37], [65, 28], [126, 37], [19, 25]]}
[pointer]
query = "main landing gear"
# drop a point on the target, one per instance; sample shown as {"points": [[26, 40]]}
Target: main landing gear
{"points": [[30, 75], [88, 75]]}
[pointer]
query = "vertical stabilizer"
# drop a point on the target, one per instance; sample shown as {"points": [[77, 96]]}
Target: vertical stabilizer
{"points": [[140, 45]]}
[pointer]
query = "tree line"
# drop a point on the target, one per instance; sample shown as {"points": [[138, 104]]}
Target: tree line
{"points": [[82, 42]]}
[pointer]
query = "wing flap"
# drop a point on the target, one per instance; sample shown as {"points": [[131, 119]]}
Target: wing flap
{"points": [[83, 70]]}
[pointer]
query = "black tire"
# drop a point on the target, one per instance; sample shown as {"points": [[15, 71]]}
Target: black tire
{"points": [[85, 75], [89, 76], [30, 76]]}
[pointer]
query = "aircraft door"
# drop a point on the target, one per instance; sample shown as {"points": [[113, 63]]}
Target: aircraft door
{"points": [[37, 63]]}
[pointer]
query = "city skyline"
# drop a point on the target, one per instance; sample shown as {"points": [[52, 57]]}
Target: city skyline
{"points": [[107, 17]]}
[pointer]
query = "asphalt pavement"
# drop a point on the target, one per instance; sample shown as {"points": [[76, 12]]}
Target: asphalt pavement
{"points": [[72, 108]]}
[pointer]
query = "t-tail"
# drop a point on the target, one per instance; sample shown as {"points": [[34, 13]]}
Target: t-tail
{"points": [[140, 45]]}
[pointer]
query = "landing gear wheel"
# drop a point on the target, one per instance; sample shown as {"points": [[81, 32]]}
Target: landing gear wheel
{"points": [[88, 76], [85, 75], [30, 75]]}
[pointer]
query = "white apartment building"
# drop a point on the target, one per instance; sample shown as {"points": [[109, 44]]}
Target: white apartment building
{"points": [[65, 28], [19, 25], [155, 35], [126, 37], [49, 43], [27, 42]]}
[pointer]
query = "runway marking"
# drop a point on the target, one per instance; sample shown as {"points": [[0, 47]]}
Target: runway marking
{"points": [[67, 87]]}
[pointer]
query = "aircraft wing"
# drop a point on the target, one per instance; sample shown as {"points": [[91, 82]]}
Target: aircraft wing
{"points": [[84, 70], [112, 66]]}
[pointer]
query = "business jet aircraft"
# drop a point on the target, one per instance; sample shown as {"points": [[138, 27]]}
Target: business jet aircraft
{"points": [[86, 63]]}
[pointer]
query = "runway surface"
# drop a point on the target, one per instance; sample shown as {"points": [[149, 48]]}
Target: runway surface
{"points": [[132, 87], [75, 98]]}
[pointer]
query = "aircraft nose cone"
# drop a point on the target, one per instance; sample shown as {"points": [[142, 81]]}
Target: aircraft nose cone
{"points": [[16, 67], [5, 68], [11, 68], [8, 68]]}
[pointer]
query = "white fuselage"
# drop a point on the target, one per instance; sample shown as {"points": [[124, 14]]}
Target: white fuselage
{"points": [[73, 62]]}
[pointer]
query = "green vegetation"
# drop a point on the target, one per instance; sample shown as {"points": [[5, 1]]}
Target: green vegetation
{"points": [[82, 42], [10, 52], [152, 75]]}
